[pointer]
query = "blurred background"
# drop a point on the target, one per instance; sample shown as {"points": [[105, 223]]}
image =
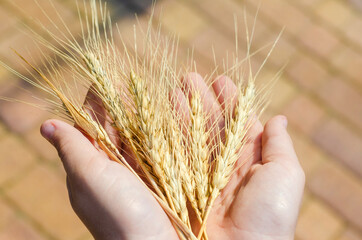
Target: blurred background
{"points": [[320, 92]]}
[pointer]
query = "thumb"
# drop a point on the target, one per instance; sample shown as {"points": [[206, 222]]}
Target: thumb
{"points": [[277, 145], [74, 149]]}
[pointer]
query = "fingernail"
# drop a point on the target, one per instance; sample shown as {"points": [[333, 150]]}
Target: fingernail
{"points": [[285, 122], [47, 131]]}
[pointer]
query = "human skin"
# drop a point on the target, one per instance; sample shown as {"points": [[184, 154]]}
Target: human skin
{"points": [[261, 201]]}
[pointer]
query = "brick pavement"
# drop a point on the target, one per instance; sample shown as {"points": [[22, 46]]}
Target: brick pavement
{"points": [[320, 92]]}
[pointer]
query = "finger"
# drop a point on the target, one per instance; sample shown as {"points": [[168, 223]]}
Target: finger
{"points": [[180, 105], [194, 82], [252, 148], [94, 106], [74, 149], [277, 145], [226, 92], [250, 155]]}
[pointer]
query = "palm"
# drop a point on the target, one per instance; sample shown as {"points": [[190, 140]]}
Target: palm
{"points": [[120, 205], [260, 202], [262, 198], [261, 209]]}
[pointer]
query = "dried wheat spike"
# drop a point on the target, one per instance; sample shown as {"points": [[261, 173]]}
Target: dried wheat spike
{"points": [[199, 151], [234, 137], [177, 144], [108, 93], [229, 151], [156, 147]]}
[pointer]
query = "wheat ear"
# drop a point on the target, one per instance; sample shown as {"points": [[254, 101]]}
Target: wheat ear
{"points": [[199, 151], [116, 110], [160, 157], [177, 144], [97, 132], [235, 132], [108, 93]]}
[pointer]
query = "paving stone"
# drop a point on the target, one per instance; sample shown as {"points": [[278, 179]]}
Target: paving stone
{"points": [[226, 13], [282, 93], [42, 190], [23, 42], [7, 80], [351, 234], [2, 130], [43, 13], [8, 21], [307, 72], [3, 75], [335, 13], [88, 236], [341, 189], [357, 4], [211, 41], [353, 29], [343, 98], [318, 222], [13, 227], [309, 155], [285, 15], [349, 62], [304, 114], [307, 197], [20, 230], [5, 214], [20, 116], [283, 52], [319, 40], [341, 142], [126, 31], [15, 157], [41, 145], [309, 3], [181, 19], [267, 115]]}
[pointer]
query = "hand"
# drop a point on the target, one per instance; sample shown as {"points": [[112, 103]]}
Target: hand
{"points": [[261, 200], [107, 197], [263, 197]]}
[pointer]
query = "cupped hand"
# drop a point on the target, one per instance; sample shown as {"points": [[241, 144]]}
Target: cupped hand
{"points": [[111, 202], [260, 202]]}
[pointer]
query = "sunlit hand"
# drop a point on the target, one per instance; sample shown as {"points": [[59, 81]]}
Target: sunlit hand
{"points": [[107, 197], [263, 197], [260, 202]]}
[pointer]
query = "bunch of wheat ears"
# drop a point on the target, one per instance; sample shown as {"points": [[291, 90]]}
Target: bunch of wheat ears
{"points": [[184, 164]]}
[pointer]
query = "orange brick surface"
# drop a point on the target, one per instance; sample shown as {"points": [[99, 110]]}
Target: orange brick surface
{"points": [[317, 222], [340, 189], [33, 193], [311, 117], [320, 91], [16, 157], [341, 142]]}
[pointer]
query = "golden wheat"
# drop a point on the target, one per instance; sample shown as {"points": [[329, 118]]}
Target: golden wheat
{"points": [[181, 163], [199, 151]]}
